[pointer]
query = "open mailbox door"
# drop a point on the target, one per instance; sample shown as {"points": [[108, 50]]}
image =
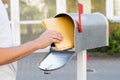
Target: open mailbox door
{"points": [[94, 34]]}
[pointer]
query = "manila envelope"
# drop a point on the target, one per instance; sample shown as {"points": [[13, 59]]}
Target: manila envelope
{"points": [[65, 26]]}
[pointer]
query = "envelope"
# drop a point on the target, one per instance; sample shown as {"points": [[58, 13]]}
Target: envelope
{"points": [[65, 26]]}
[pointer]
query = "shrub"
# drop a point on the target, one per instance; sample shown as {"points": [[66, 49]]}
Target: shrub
{"points": [[114, 42]]}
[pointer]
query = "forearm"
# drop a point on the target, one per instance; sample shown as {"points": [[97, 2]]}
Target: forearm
{"points": [[8, 55]]}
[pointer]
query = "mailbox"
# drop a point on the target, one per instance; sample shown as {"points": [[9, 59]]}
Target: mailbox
{"points": [[94, 34], [94, 31]]}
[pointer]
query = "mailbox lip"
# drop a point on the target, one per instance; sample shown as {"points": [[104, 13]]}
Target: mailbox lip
{"points": [[60, 14]]}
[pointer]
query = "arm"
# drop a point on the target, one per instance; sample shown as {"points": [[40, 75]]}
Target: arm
{"points": [[8, 55]]}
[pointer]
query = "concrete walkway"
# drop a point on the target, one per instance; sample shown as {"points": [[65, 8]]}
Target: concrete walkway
{"points": [[102, 69]]}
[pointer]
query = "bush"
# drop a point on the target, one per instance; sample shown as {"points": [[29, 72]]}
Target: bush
{"points": [[114, 42]]}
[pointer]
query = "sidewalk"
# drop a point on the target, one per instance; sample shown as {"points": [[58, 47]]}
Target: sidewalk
{"points": [[106, 68]]}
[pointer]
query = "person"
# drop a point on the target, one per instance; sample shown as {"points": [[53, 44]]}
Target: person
{"points": [[9, 54]]}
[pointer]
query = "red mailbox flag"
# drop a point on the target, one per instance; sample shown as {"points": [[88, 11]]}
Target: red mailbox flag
{"points": [[80, 11]]}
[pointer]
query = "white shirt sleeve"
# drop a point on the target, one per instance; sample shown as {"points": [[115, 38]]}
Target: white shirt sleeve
{"points": [[5, 29]]}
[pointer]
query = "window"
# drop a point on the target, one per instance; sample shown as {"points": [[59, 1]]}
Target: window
{"points": [[31, 14], [113, 10], [26, 16], [37, 9]]}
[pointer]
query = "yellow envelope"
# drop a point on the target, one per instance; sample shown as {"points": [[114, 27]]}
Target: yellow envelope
{"points": [[65, 26]]}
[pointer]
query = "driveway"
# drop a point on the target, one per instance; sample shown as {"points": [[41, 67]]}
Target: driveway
{"points": [[99, 68]]}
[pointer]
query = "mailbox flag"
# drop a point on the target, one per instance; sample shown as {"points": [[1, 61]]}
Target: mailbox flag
{"points": [[80, 11], [65, 26]]}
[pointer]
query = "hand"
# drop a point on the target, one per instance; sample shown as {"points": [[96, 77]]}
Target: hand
{"points": [[48, 37]]}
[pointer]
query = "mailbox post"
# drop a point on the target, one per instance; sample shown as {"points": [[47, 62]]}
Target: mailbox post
{"points": [[81, 65]]}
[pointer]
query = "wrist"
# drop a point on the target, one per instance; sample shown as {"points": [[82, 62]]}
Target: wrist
{"points": [[37, 44]]}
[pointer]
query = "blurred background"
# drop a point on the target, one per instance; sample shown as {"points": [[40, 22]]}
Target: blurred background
{"points": [[25, 17]]}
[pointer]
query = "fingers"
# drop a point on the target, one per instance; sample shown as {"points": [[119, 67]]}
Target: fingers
{"points": [[57, 37], [52, 36], [47, 38]]}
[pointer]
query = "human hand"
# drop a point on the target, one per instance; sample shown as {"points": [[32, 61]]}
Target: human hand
{"points": [[47, 38]]}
